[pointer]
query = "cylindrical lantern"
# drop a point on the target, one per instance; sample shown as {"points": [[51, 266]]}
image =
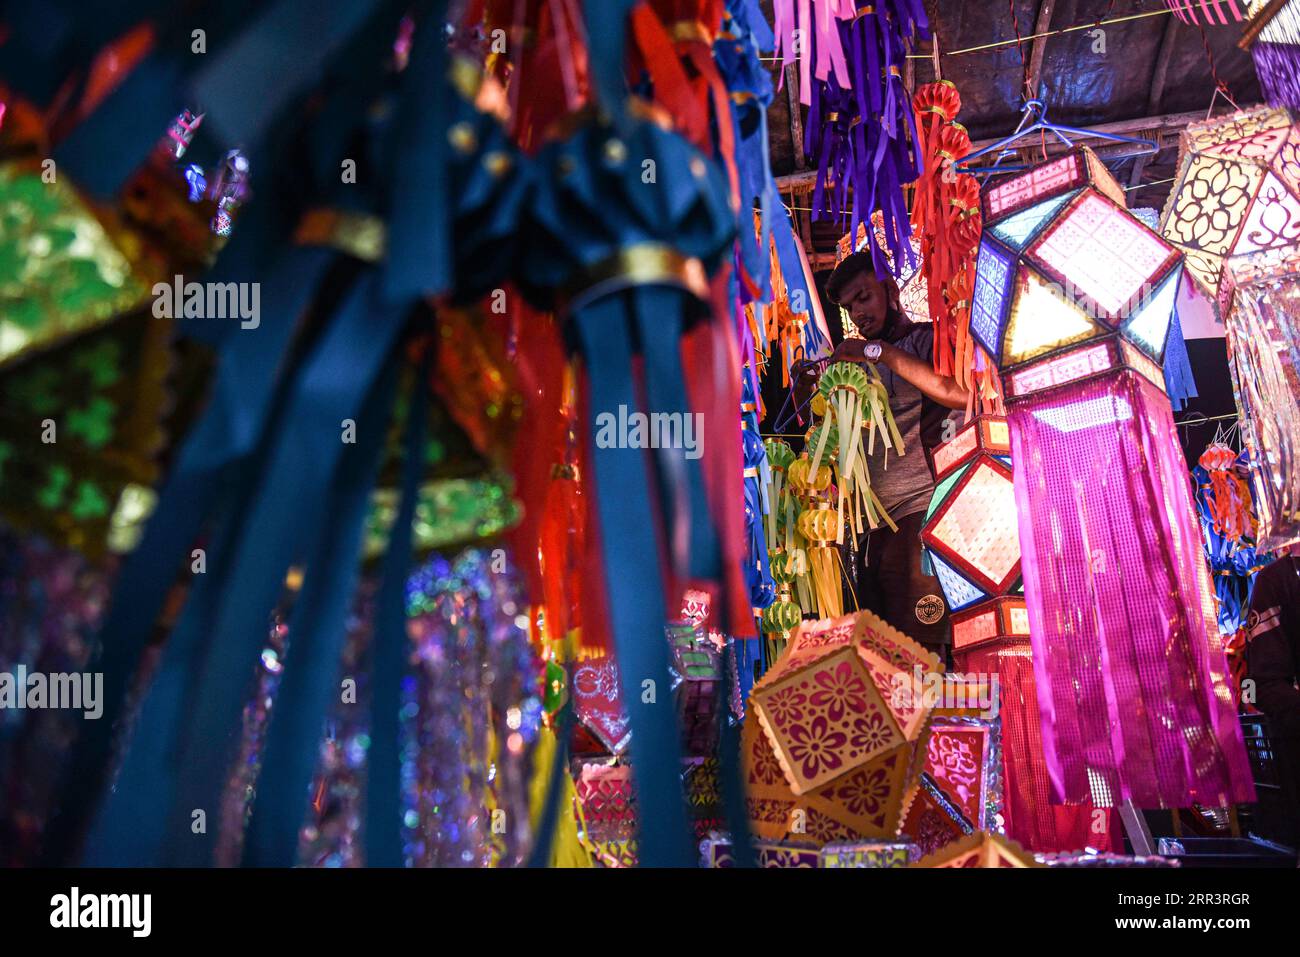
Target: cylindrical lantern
{"points": [[1273, 38], [973, 543], [1074, 298]]}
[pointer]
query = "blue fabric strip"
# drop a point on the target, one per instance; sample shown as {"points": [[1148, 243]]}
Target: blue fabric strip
{"points": [[636, 602], [310, 688], [307, 443], [240, 404], [388, 658]]}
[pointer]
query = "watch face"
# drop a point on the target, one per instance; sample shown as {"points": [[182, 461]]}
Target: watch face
{"points": [[873, 351]]}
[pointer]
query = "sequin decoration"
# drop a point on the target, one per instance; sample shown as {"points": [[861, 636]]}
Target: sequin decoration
{"points": [[475, 684]]}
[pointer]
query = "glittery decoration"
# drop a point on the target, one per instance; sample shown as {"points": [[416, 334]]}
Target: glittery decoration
{"points": [[449, 512], [104, 393], [60, 272], [51, 602], [475, 684]]}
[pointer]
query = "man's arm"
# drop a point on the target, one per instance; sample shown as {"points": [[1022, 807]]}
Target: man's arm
{"points": [[942, 389]]}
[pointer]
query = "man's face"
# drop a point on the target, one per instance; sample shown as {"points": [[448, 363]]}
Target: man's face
{"points": [[866, 299]]}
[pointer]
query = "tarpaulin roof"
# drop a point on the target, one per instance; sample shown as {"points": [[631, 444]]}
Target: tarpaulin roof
{"points": [[1141, 63]]}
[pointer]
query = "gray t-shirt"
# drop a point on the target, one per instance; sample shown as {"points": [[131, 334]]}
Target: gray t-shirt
{"points": [[904, 484]]}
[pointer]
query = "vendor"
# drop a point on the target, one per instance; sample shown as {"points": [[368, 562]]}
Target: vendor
{"points": [[1273, 664], [886, 575]]}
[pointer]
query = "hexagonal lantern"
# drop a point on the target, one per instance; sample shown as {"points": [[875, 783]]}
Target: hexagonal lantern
{"points": [[1069, 284], [1235, 213], [834, 706], [970, 527], [1237, 195]]}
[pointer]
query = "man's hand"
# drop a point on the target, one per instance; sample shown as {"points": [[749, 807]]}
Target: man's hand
{"points": [[806, 376], [850, 350]]}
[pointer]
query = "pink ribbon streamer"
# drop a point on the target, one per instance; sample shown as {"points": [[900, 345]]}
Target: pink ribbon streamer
{"points": [[1132, 679]]}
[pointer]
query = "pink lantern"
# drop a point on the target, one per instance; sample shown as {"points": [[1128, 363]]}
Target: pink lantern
{"points": [[1074, 298]]}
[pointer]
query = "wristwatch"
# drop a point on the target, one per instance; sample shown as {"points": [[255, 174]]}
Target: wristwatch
{"points": [[871, 352]]}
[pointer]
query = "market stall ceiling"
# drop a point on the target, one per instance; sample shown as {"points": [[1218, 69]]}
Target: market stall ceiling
{"points": [[1139, 69]]}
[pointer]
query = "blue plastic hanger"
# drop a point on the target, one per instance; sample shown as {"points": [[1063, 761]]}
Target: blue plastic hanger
{"points": [[1036, 111]]}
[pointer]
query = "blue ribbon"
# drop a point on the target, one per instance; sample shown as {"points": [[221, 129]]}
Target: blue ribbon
{"points": [[328, 389], [317, 629], [388, 659], [636, 605]]}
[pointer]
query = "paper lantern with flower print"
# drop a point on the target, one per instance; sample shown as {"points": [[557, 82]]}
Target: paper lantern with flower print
{"points": [[858, 722], [831, 706]]}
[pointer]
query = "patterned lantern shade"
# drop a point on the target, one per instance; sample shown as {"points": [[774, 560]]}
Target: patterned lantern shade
{"points": [[1235, 211], [830, 743], [1066, 273], [980, 849], [970, 526], [913, 296], [1130, 670], [1273, 38], [1235, 197]]}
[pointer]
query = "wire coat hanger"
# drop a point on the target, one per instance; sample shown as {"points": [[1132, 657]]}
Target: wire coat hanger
{"points": [[1035, 110]]}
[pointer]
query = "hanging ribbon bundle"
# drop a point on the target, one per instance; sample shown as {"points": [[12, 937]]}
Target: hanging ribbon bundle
{"points": [[861, 130], [783, 615], [781, 504], [274, 416], [737, 54], [972, 366], [632, 258], [856, 399], [1229, 501], [936, 211], [758, 507], [1225, 507], [541, 61], [820, 527], [810, 487], [791, 320]]}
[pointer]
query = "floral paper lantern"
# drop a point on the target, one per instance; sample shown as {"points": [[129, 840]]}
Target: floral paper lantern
{"points": [[980, 849], [1078, 298], [1235, 210], [829, 744]]}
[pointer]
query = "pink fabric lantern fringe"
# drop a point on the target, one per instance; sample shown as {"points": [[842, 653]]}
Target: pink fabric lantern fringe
{"points": [[1212, 12], [1030, 817], [1132, 680]]}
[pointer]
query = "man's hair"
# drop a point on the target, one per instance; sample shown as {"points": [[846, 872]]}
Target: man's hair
{"points": [[860, 263]]}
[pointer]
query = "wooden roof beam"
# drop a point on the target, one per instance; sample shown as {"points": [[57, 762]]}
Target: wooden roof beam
{"points": [[1158, 78], [1041, 26]]}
